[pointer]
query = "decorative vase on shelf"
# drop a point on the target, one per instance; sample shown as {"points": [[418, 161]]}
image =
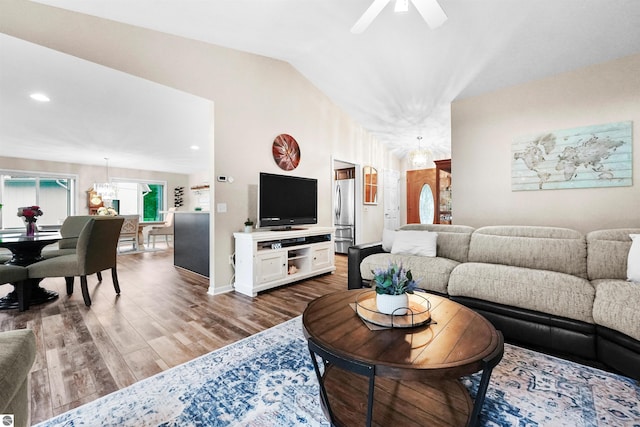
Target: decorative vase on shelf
{"points": [[392, 304]]}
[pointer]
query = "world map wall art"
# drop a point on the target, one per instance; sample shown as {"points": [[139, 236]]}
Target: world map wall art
{"points": [[591, 156]]}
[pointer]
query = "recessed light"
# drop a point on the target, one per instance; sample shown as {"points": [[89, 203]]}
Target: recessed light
{"points": [[194, 147], [40, 97]]}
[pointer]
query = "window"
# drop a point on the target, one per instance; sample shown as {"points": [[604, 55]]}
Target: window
{"points": [[53, 193], [143, 198]]}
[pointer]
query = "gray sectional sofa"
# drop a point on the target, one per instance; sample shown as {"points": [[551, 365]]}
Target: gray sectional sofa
{"points": [[551, 289]]}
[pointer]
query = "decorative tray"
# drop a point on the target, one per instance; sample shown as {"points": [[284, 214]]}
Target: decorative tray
{"points": [[418, 313]]}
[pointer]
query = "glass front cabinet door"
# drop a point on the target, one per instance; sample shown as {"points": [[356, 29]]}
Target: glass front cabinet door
{"points": [[444, 213]]}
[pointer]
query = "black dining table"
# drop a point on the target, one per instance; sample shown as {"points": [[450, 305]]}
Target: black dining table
{"points": [[25, 251]]}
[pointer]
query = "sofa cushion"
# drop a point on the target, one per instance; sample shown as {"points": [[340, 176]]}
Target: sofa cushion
{"points": [[608, 251], [421, 243], [633, 261], [544, 291], [432, 273], [617, 306], [453, 240], [544, 248], [388, 236]]}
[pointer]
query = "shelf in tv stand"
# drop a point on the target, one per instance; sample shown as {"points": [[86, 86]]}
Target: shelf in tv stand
{"points": [[266, 259]]}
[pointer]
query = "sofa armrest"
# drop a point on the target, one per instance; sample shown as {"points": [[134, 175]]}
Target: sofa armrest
{"points": [[17, 355], [355, 256]]}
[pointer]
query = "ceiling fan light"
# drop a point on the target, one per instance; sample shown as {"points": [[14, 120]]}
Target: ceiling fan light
{"points": [[369, 15], [401, 6], [431, 12]]}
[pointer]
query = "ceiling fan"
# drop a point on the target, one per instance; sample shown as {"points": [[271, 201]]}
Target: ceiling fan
{"points": [[430, 10]]}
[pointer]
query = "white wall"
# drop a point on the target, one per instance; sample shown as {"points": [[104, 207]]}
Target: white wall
{"points": [[256, 98], [484, 127]]}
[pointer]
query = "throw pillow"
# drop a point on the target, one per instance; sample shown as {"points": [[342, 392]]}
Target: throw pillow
{"points": [[633, 262], [409, 242], [388, 236]]}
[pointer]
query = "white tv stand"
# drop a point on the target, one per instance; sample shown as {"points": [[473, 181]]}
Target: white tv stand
{"points": [[266, 259]]}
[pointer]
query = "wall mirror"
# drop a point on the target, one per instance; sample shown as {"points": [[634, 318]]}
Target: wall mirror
{"points": [[370, 185]]}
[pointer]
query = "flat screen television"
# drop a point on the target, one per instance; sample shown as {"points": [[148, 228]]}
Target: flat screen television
{"points": [[285, 200]]}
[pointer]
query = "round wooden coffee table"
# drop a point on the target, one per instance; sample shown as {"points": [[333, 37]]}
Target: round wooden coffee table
{"points": [[417, 370]]}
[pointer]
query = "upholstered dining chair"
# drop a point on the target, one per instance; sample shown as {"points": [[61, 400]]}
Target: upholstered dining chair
{"points": [[16, 275], [96, 251], [70, 231], [165, 230]]}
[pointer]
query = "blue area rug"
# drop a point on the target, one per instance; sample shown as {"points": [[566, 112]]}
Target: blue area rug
{"points": [[268, 380]]}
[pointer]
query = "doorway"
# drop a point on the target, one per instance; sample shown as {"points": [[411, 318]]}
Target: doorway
{"points": [[344, 205], [421, 190], [391, 182]]}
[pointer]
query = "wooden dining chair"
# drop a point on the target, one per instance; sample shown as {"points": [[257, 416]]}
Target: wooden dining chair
{"points": [[129, 231], [96, 251], [165, 230]]}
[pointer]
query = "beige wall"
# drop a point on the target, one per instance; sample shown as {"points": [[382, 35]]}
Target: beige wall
{"points": [[484, 127], [88, 174], [256, 98]]}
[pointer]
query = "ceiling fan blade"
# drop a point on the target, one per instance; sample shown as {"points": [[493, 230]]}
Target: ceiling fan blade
{"points": [[369, 15], [431, 11]]}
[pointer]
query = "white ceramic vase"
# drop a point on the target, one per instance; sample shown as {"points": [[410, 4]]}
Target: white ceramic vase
{"points": [[392, 304]]}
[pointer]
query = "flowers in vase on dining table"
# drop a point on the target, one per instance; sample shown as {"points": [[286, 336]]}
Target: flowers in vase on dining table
{"points": [[392, 286], [29, 213]]}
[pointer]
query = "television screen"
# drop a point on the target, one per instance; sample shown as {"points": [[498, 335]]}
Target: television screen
{"points": [[287, 200]]}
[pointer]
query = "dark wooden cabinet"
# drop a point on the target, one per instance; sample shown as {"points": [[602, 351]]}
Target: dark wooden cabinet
{"points": [[191, 241]]}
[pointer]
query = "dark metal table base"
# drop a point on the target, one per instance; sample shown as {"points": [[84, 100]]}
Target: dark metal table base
{"points": [[35, 295]]}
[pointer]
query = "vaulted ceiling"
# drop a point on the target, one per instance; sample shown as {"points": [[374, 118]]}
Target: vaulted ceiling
{"points": [[397, 79]]}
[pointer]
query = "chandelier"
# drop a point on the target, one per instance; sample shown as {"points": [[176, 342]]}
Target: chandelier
{"points": [[105, 189], [421, 157]]}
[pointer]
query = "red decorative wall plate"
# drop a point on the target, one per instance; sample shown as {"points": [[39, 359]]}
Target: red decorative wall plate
{"points": [[286, 152]]}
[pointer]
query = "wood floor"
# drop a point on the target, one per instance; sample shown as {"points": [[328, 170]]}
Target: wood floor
{"points": [[163, 318]]}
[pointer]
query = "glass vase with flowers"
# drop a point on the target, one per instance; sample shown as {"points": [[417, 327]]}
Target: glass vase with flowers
{"points": [[29, 214]]}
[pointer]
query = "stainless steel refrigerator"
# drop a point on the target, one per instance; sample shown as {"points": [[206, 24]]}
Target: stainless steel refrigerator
{"points": [[344, 220]]}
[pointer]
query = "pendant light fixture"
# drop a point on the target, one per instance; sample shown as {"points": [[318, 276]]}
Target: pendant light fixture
{"points": [[421, 157], [105, 189]]}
